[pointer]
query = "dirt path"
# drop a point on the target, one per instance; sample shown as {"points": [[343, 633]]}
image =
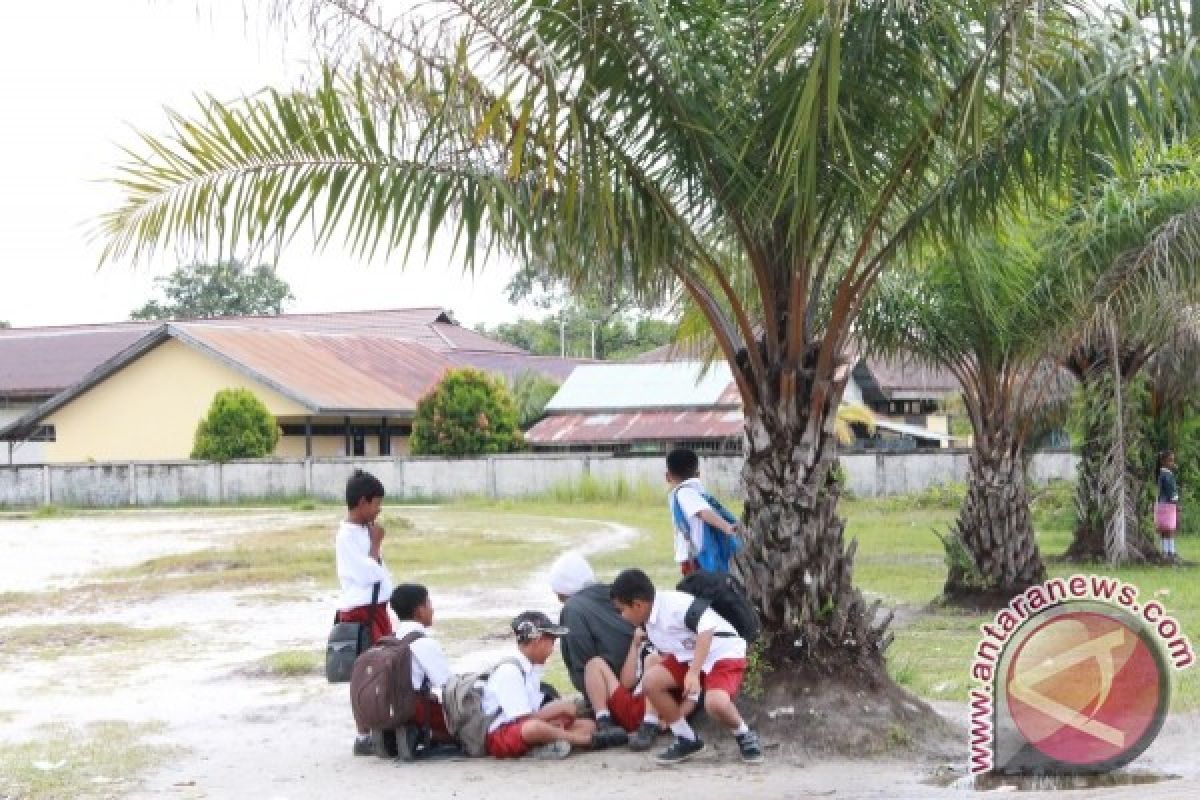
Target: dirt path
{"points": [[239, 734]]}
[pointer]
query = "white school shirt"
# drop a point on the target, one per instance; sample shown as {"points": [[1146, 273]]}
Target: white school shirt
{"points": [[428, 660], [356, 570], [514, 692], [667, 631], [690, 495]]}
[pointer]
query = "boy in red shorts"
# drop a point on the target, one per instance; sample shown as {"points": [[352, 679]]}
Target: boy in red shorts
{"points": [[513, 693], [707, 654]]}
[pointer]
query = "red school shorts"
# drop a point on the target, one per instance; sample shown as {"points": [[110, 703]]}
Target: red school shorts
{"points": [[627, 709], [725, 674], [381, 625], [428, 712], [506, 741]]}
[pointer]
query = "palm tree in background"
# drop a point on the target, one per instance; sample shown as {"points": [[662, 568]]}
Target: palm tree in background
{"points": [[803, 144]]}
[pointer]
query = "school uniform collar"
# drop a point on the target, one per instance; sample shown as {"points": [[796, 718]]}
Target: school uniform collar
{"points": [[526, 664], [691, 483], [407, 626], [655, 608]]}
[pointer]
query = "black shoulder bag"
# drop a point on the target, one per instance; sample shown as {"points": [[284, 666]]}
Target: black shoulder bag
{"points": [[346, 641]]}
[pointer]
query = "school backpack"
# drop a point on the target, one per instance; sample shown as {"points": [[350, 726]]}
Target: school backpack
{"points": [[462, 703], [718, 547], [381, 691], [725, 595]]}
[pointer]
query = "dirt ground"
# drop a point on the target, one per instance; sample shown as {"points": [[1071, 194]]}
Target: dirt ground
{"points": [[236, 733]]}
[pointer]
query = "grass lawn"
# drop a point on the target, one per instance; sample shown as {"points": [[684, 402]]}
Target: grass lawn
{"points": [[479, 544]]}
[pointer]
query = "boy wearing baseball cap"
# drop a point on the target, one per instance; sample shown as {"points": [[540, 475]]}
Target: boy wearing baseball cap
{"points": [[513, 693]]}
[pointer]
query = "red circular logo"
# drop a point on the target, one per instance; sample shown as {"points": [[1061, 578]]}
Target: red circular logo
{"points": [[1084, 688]]}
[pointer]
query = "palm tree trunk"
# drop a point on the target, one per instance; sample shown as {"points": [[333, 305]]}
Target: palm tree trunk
{"points": [[796, 566], [1094, 500], [992, 552]]}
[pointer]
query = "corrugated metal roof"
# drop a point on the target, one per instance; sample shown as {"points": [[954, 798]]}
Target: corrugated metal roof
{"points": [[43, 361], [634, 426], [328, 372], [915, 431], [615, 387]]}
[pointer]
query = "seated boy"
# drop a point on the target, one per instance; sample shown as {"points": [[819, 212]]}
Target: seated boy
{"points": [[430, 670], [513, 693], [712, 657], [602, 654]]}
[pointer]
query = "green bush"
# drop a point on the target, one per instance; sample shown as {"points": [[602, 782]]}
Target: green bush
{"points": [[237, 425], [468, 413]]}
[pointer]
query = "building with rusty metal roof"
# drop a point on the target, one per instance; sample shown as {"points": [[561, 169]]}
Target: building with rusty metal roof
{"points": [[338, 384]]}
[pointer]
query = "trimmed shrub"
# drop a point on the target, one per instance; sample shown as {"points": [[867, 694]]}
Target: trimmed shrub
{"points": [[237, 425], [469, 413]]}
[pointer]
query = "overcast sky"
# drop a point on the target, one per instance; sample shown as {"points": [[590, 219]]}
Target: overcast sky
{"points": [[79, 75]]}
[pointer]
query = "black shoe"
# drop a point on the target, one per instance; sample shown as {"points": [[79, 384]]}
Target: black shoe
{"points": [[751, 748], [643, 739], [608, 734], [680, 750], [364, 745]]}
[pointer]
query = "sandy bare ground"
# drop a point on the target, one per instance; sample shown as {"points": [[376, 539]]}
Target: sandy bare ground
{"points": [[238, 734]]}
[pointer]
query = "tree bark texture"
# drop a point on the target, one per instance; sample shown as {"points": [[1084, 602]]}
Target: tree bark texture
{"points": [[992, 550], [795, 565], [1094, 500]]}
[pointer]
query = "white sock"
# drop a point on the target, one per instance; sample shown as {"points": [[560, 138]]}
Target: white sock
{"points": [[602, 715], [650, 719], [681, 729], [743, 728]]}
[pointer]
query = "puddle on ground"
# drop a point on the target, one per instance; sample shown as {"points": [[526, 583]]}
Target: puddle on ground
{"points": [[1042, 783]]}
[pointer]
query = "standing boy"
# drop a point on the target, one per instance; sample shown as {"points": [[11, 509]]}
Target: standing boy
{"points": [[701, 651], [689, 509], [430, 670], [513, 693], [602, 654], [360, 568]]}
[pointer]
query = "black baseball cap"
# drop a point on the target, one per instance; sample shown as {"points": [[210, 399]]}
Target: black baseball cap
{"points": [[530, 625]]}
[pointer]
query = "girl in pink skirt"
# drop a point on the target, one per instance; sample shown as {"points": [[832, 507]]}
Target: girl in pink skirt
{"points": [[1166, 510]]}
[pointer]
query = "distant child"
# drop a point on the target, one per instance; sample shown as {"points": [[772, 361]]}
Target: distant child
{"points": [[1166, 510], [690, 511], [430, 670], [513, 693], [360, 568], [709, 656]]}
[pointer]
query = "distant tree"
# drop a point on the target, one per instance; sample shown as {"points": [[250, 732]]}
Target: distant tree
{"points": [[237, 425], [224, 289], [531, 392], [468, 413], [617, 338]]}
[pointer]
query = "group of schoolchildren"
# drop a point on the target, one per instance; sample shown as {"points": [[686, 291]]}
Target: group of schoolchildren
{"points": [[644, 659]]}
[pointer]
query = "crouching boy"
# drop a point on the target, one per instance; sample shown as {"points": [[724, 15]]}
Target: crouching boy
{"points": [[513, 693], [708, 656]]}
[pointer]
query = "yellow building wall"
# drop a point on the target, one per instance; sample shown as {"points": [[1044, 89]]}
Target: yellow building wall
{"points": [[150, 408]]}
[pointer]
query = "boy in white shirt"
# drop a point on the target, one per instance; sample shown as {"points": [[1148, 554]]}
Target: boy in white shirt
{"points": [[704, 652], [430, 670], [683, 465], [513, 693], [358, 554]]}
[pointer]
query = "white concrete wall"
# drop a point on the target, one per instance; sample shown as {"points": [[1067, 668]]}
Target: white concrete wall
{"points": [[148, 484]]}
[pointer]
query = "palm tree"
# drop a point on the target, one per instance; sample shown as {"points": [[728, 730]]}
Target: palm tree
{"points": [[985, 312], [801, 143], [1144, 225]]}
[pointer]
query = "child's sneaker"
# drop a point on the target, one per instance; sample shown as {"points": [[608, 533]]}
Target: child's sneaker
{"points": [[608, 734], [644, 737], [680, 750], [751, 748], [552, 751]]}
